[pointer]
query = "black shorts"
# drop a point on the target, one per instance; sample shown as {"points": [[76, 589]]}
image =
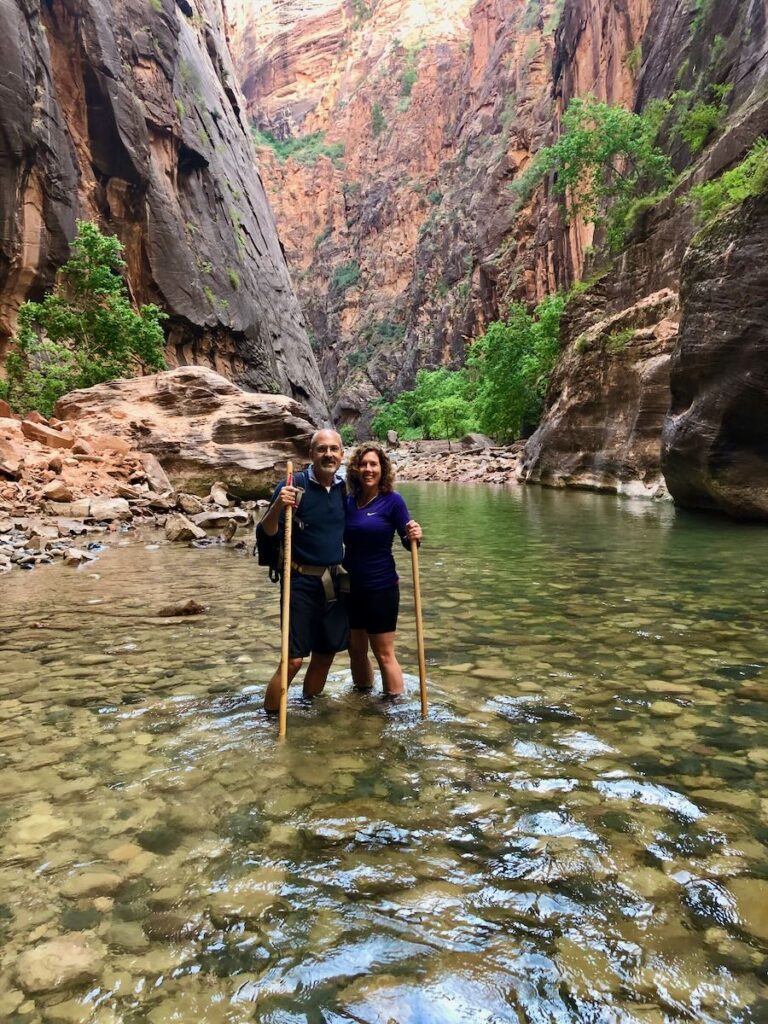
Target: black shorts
{"points": [[375, 611], [315, 624]]}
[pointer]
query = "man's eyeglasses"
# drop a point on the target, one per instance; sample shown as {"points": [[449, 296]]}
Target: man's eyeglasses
{"points": [[332, 448]]}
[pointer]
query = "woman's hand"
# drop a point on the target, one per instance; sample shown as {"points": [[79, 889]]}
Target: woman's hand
{"points": [[413, 530]]}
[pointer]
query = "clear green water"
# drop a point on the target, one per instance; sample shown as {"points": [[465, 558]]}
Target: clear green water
{"points": [[577, 833]]}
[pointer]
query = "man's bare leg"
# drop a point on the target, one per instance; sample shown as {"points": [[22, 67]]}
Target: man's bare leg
{"points": [[317, 673], [272, 695], [359, 662]]}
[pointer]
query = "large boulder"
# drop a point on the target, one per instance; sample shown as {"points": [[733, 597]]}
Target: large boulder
{"points": [[200, 427], [715, 438]]}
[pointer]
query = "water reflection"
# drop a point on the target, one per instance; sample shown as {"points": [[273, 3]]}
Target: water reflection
{"points": [[577, 833]]}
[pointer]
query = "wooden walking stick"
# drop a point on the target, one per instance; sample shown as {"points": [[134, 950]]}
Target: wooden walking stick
{"points": [[283, 714], [419, 627]]}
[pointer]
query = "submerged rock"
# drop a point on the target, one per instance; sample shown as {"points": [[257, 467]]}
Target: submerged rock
{"points": [[58, 965]]}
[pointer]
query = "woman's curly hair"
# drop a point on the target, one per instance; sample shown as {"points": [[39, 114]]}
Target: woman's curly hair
{"points": [[354, 481]]}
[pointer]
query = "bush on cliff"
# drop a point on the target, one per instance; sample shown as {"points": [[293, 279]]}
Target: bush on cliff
{"points": [[513, 361], [85, 332], [605, 159], [500, 391], [747, 179]]}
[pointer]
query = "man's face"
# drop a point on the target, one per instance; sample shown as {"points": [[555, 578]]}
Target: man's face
{"points": [[326, 453]]}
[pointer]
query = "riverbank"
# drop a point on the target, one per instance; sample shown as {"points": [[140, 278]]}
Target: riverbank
{"points": [[63, 486], [472, 460]]}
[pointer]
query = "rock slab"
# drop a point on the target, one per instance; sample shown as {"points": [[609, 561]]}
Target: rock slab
{"points": [[57, 965], [201, 428]]}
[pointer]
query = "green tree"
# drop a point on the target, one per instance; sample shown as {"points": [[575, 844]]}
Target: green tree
{"points": [[513, 361], [85, 331], [606, 157], [440, 405]]}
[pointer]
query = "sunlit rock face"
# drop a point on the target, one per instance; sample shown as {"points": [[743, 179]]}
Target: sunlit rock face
{"points": [[405, 246], [130, 115]]}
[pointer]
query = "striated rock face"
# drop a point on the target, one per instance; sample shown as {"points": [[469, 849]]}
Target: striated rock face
{"points": [[608, 398], [607, 403], [200, 427], [130, 115], [715, 441], [409, 243]]}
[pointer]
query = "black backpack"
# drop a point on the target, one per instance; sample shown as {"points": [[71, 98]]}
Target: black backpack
{"points": [[269, 550]]}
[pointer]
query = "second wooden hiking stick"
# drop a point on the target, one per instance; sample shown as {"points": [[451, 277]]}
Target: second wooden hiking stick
{"points": [[419, 627], [283, 715]]}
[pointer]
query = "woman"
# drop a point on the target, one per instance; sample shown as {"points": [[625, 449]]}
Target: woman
{"points": [[374, 511]]}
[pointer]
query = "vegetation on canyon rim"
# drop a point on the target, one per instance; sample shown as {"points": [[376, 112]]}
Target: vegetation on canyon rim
{"points": [[501, 389], [83, 333]]}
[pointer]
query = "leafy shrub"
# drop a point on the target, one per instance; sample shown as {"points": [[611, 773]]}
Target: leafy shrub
{"points": [[440, 405], [435, 197], [234, 277], [84, 332], [348, 434], [345, 276], [305, 149], [408, 80], [378, 122], [605, 158], [617, 341], [748, 178], [513, 361]]}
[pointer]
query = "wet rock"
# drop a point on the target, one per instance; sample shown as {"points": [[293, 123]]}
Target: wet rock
{"points": [[127, 936], [179, 528], [218, 494], [190, 607], [58, 965], [91, 883], [76, 556], [166, 926], [190, 504], [107, 509], [38, 828], [751, 897], [219, 518]]}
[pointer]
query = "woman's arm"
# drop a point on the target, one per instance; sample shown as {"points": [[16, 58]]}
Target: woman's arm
{"points": [[408, 529]]}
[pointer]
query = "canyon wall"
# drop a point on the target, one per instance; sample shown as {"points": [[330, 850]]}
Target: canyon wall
{"points": [[129, 114], [389, 144]]}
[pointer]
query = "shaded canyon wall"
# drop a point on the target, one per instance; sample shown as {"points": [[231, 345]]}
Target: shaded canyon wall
{"points": [[129, 114]]}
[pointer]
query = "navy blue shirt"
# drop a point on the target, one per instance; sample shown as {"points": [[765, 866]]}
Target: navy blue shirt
{"points": [[317, 535], [368, 541]]}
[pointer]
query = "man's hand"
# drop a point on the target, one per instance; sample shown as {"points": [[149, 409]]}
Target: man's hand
{"points": [[287, 498]]}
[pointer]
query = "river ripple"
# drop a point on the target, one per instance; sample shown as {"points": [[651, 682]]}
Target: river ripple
{"points": [[577, 833]]}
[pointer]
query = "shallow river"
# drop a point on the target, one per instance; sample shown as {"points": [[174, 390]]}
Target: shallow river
{"points": [[577, 833]]}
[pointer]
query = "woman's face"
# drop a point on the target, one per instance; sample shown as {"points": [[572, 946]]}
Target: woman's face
{"points": [[370, 470]]}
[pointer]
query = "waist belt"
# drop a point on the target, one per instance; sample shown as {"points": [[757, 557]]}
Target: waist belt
{"points": [[328, 574]]}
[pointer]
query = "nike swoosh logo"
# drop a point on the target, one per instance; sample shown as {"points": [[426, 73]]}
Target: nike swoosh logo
{"points": [[370, 513]]}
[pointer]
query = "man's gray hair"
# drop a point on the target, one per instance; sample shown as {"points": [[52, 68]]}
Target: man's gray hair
{"points": [[324, 430]]}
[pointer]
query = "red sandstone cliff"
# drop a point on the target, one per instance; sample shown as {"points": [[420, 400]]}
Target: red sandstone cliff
{"points": [[130, 115], [404, 247]]}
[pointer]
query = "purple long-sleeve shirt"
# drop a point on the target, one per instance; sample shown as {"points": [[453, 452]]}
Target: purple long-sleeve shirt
{"points": [[368, 536]]}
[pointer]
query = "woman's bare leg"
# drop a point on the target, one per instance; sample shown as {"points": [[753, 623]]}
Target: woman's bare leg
{"points": [[383, 646], [359, 662]]}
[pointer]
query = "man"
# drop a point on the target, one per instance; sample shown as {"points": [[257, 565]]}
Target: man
{"points": [[318, 618]]}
